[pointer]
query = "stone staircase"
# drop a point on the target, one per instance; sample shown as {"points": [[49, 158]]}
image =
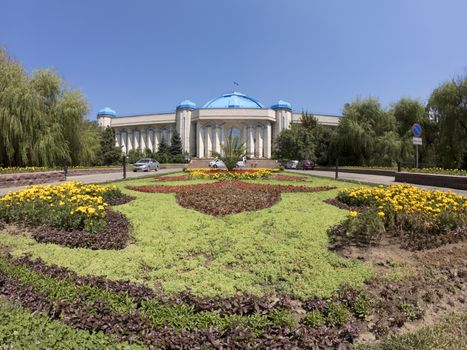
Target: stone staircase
{"points": [[250, 163]]}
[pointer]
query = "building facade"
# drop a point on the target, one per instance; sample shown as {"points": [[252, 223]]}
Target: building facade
{"points": [[203, 130]]}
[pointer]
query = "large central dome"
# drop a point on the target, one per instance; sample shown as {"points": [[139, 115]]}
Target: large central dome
{"points": [[233, 100]]}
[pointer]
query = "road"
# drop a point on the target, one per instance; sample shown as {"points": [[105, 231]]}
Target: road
{"points": [[98, 178], [375, 179]]}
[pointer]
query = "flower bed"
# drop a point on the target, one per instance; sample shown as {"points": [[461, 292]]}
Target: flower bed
{"points": [[172, 178], [238, 174], [68, 206], [115, 235], [425, 219], [228, 197], [280, 177], [133, 312], [237, 184]]}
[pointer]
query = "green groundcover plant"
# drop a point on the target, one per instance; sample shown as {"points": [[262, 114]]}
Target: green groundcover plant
{"points": [[283, 248]]}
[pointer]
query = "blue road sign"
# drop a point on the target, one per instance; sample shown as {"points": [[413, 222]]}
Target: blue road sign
{"points": [[416, 130]]}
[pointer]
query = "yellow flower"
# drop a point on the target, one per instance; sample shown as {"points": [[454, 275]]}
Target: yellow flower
{"points": [[353, 213], [380, 214]]}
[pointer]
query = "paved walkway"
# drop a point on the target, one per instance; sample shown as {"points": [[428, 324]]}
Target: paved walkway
{"points": [[98, 178], [375, 179]]}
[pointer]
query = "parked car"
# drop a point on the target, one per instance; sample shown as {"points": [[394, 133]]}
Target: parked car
{"points": [[306, 165], [146, 164], [216, 163], [241, 164], [292, 164]]}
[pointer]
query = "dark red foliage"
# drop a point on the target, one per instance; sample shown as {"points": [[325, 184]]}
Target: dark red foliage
{"points": [[230, 184], [98, 316], [115, 235], [228, 199], [120, 200], [172, 178], [337, 203], [280, 177]]}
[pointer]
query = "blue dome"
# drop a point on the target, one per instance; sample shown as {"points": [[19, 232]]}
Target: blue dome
{"points": [[107, 111], [233, 100], [281, 105], [187, 104]]}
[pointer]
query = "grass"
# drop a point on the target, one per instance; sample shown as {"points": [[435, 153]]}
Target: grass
{"points": [[21, 329], [449, 334], [279, 249]]}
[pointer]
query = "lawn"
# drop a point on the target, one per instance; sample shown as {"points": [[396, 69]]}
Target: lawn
{"points": [[282, 249]]}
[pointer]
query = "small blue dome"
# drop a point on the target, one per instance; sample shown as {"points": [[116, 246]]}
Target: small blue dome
{"points": [[107, 111], [281, 105], [187, 104], [233, 100]]}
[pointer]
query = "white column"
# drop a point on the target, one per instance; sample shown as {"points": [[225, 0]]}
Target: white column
{"points": [[136, 137], [251, 141], [143, 139], [244, 138], [267, 140], [217, 139], [208, 142], [118, 138], [130, 141], [259, 142], [124, 141], [156, 138], [199, 140], [150, 136]]}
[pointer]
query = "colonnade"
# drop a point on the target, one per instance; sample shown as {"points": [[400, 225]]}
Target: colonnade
{"points": [[142, 137], [255, 136]]}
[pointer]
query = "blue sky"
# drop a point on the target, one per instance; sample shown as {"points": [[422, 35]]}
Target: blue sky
{"points": [[147, 56]]}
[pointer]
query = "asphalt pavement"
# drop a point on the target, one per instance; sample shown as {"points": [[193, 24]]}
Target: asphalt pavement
{"points": [[373, 179], [98, 178]]}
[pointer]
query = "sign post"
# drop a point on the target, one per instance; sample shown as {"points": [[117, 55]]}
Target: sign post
{"points": [[416, 140]]}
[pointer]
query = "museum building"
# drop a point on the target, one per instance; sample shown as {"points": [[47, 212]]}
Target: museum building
{"points": [[203, 129]]}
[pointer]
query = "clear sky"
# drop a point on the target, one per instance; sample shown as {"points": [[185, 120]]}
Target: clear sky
{"points": [[147, 56]]}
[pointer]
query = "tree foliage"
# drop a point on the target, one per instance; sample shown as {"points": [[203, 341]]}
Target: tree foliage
{"points": [[367, 135], [175, 147], [109, 153], [41, 121], [298, 142], [448, 106]]}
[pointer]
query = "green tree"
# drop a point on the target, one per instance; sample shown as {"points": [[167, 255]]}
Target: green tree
{"points": [[232, 150], [175, 147], [366, 135], [163, 153], [41, 121], [448, 107], [298, 142], [109, 153]]}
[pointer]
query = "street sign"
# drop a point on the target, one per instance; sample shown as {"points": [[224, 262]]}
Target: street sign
{"points": [[417, 141], [417, 130]]}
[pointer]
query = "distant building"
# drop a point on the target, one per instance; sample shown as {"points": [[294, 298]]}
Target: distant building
{"points": [[203, 129]]}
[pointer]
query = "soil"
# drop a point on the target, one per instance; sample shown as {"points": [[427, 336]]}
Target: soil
{"points": [[430, 287]]}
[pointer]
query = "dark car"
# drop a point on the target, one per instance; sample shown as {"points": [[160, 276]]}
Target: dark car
{"points": [[306, 165]]}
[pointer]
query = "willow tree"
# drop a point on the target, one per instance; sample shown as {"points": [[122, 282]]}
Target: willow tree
{"points": [[367, 135], [448, 106], [41, 121]]}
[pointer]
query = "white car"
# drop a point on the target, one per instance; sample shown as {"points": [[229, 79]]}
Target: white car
{"points": [[146, 164], [216, 163]]}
